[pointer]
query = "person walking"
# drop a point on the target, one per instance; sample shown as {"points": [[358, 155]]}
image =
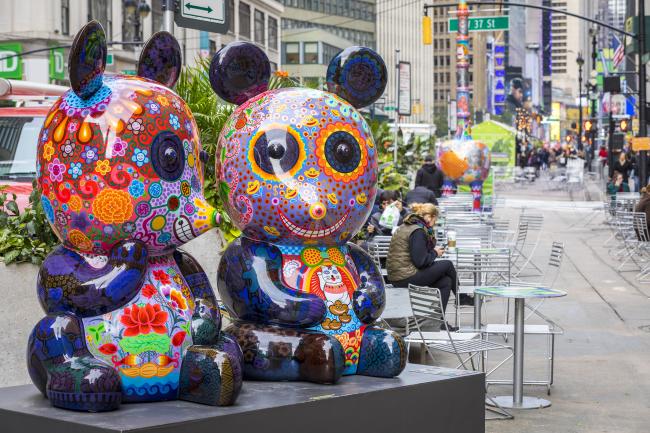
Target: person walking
{"points": [[430, 176]]}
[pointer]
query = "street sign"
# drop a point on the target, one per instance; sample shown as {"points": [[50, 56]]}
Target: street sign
{"points": [[640, 143], [13, 66], [482, 24], [57, 64], [404, 86], [390, 108], [110, 59], [206, 15]]}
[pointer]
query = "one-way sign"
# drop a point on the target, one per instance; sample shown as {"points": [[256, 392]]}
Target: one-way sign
{"points": [[207, 15]]}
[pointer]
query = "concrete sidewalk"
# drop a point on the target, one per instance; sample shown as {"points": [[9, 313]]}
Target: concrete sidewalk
{"points": [[602, 380]]}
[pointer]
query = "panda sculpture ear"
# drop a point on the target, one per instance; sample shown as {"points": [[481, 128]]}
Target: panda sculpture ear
{"points": [[160, 59], [358, 75], [87, 60], [239, 71]]}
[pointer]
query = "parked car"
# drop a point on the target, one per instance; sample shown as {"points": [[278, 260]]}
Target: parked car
{"points": [[20, 126]]}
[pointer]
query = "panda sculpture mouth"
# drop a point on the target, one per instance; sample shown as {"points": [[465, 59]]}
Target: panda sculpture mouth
{"points": [[310, 233]]}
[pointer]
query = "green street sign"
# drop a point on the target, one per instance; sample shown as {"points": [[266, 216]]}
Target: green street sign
{"points": [[129, 71], [11, 67], [390, 108], [57, 64], [110, 59], [482, 24]]}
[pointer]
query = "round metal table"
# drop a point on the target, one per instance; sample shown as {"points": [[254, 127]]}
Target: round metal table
{"points": [[520, 293]]}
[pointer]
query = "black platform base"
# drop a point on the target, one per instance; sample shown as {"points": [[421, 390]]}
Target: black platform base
{"points": [[421, 399]]}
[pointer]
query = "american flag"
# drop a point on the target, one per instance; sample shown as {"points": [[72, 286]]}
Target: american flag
{"points": [[619, 51]]}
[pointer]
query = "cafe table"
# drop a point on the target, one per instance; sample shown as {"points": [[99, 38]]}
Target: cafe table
{"points": [[519, 293]]}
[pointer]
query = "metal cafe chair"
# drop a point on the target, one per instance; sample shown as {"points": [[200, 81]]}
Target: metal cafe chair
{"points": [[427, 308], [549, 328], [477, 267], [534, 223]]}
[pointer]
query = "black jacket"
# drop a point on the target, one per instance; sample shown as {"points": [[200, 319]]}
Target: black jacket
{"points": [[421, 194], [430, 177]]}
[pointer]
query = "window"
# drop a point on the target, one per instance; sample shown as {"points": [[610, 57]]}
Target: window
{"points": [[156, 16], [291, 53], [329, 52], [231, 16], [244, 20], [213, 47], [65, 17], [310, 52], [273, 33], [259, 27], [101, 11]]}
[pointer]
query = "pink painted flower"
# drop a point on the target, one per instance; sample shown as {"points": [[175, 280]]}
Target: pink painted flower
{"points": [[72, 127], [56, 170], [119, 147]]}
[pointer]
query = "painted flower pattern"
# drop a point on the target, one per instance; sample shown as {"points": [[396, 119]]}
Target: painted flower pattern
{"points": [[139, 157], [89, 154], [119, 147], [135, 125], [153, 107], [136, 188], [144, 320], [173, 121], [48, 150], [102, 167], [161, 276], [72, 127], [56, 170], [149, 290], [75, 170], [67, 148]]}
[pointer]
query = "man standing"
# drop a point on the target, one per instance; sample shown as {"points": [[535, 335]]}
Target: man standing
{"points": [[429, 176]]}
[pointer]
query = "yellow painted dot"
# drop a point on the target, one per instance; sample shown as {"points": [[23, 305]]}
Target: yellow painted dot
{"points": [[158, 223], [190, 160]]}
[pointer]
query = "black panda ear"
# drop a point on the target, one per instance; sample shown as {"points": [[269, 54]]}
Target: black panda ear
{"points": [[239, 71], [358, 75], [87, 60], [160, 59]]}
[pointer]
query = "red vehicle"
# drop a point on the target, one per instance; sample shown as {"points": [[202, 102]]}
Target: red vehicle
{"points": [[19, 133]]}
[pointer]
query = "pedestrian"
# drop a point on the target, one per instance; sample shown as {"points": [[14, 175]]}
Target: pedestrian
{"points": [[430, 176], [413, 256], [420, 194], [623, 166], [383, 222], [617, 185], [602, 157]]}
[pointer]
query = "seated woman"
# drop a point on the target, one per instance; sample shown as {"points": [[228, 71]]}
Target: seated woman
{"points": [[413, 252]]}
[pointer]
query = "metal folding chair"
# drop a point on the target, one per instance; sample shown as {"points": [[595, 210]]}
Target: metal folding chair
{"points": [[426, 304]]}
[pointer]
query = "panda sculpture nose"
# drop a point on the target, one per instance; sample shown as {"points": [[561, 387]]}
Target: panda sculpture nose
{"points": [[317, 211]]}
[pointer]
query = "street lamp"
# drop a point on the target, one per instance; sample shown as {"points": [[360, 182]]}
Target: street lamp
{"points": [[136, 12], [580, 61]]}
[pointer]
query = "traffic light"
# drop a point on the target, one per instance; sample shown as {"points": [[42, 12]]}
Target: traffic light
{"points": [[427, 30], [588, 125], [568, 139], [623, 125]]}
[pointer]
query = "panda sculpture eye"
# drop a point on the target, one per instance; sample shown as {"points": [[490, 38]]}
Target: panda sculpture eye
{"points": [[276, 151], [168, 156], [342, 152]]}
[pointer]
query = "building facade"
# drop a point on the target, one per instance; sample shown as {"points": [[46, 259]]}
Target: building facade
{"points": [[34, 24], [392, 35], [314, 31]]}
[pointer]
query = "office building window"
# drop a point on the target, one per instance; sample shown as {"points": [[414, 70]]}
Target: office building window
{"points": [[213, 47], [329, 52], [273, 33], [156, 16], [231, 16], [65, 17], [101, 11], [244, 20], [259, 27], [291, 53], [310, 52]]}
